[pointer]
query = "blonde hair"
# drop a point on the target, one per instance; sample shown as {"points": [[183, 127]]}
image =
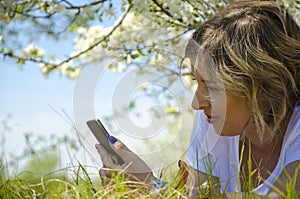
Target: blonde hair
{"points": [[255, 46]]}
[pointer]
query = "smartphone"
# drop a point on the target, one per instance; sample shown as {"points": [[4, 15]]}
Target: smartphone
{"points": [[102, 135]]}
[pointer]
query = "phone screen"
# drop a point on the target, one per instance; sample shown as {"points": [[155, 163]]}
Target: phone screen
{"points": [[102, 135]]}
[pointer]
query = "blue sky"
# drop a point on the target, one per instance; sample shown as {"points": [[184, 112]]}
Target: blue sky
{"points": [[28, 97]]}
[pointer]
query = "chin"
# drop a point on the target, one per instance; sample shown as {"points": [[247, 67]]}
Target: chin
{"points": [[227, 130], [229, 133]]}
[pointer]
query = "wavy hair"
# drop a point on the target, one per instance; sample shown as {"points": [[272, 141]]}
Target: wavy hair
{"points": [[256, 49]]}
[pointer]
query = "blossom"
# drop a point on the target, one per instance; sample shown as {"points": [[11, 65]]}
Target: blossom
{"points": [[33, 51], [64, 67], [44, 68], [73, 73]]}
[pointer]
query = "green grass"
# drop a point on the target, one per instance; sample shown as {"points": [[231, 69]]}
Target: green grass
{"points": [[76, 182], [80, 185]]}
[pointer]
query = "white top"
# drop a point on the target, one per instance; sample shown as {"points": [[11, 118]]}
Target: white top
{"points": [[219, 155]]}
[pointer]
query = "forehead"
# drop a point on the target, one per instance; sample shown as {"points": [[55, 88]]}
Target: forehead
{"points": [[202, 63], [200, 60]]}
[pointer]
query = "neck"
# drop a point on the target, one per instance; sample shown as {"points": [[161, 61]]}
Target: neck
{"points": [[267, 145]]}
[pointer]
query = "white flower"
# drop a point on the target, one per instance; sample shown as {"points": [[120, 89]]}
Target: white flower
{"points": [[41, 52], [29, 49], [55, 8], [121, 67], [64, 67], [44, 68], [110, 12], [33, 51], [128, 59], [81, 30], [72, 74]]}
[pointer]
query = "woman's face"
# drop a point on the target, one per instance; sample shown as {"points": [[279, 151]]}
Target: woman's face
{"points": [[227, 113]]}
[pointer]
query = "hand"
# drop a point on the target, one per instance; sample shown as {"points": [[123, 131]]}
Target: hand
{"points": [[134, 167], [182, 175]]}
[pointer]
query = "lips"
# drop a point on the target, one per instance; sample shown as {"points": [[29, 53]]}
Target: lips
{"points": [[211, 119]]}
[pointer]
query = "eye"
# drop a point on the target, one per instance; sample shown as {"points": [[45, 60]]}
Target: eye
{"points": [[207, 87], [212, 88]]}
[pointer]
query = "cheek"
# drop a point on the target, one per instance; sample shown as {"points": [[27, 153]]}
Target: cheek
{"points": [[237, 115], [219, 109], [219, 105]]}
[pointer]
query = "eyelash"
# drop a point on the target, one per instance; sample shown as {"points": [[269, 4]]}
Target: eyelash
{"points": [[209, 88], [212, 89]]}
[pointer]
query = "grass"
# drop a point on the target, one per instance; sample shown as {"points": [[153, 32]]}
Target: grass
{"points": [[81, 185]]}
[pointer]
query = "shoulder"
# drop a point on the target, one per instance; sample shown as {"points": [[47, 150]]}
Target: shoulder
{"points": [[291, 146], [293, 129]]}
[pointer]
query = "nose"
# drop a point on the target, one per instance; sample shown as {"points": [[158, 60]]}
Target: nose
{"points": [[200, 102]]}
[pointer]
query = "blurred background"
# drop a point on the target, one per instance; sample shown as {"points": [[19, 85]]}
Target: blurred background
{"points": [[64, 62]]}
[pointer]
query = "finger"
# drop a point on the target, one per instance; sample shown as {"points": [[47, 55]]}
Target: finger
{"points": [[108, 175], [182, 175], [105, 176], [117, 144], [121, 149], [99, 148], [133, 163], [106, 157]]}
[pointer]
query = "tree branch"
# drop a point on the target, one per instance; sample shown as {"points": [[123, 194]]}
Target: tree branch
{"points": [[54, 66], [179, 23], [97, 43], [68, 6]]}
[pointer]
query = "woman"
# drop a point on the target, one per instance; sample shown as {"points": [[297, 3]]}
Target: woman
{"points": [[246, 61]]}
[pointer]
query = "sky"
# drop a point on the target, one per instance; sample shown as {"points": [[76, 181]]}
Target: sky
{"points": [[32, 101], [27, 97], [35, 103]]}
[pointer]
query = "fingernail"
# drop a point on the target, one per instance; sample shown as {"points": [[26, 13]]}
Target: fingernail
{"points": [[179, 163], [112, 139]]}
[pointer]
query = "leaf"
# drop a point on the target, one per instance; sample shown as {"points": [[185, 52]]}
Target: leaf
{"points": [[19, 8], [21, 61], [73, 27], [134, 56], [131, 104], [140, 51]]}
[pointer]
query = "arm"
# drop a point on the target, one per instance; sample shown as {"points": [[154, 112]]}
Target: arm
{"points": [[199, 182], [288, 176]]}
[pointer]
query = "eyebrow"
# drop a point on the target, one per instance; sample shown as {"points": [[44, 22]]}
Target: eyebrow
{"points": [[203, 80], [208, 81]]}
